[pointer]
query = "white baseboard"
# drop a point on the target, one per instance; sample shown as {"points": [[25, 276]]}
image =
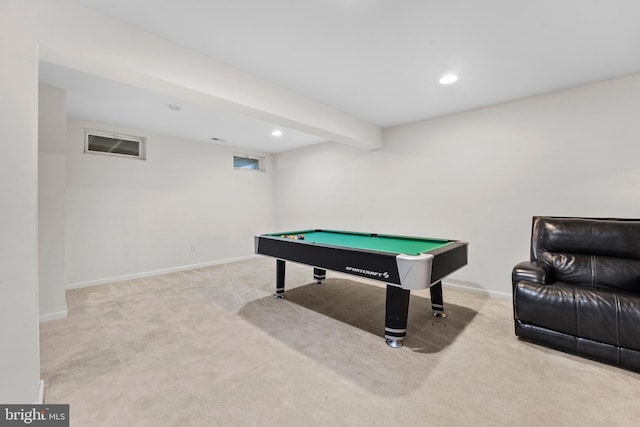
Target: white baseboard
{"points": [[459, 285], [466, 287], [53, 316], [40, 394], [450, 283], [155, 272]]}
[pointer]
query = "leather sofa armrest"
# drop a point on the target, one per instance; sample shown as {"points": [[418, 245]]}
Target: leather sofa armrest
{"points": [[531, 271]]}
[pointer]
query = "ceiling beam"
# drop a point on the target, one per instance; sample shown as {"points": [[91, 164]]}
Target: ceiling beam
{"points": [[77, 37]]}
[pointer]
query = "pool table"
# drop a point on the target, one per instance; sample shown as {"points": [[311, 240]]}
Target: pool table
{"points": [[403, 263]]}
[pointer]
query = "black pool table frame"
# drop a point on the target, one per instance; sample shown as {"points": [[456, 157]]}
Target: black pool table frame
{"points": [[387, 267]]}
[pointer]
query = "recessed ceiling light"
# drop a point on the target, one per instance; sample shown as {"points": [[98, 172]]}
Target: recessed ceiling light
{"points": [[276, 133], [174, 107], [447, 79]]}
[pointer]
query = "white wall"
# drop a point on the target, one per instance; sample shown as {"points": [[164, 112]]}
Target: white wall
{"points": [[52, 130], [127, 218], [478, 176], [19, 358]]}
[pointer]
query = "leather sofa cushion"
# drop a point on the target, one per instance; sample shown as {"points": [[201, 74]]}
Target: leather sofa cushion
{"points": [[610, 238], [597, 271], [624, 357], [598, 315], [601, 253]]}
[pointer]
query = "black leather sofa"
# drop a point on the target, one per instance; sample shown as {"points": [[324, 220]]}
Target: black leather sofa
{"points": [[580, 292]]}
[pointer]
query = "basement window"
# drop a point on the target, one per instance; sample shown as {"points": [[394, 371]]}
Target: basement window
{"points": [[250, 163], [115, 144]]}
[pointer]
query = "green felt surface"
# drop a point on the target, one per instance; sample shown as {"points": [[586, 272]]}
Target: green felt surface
{"points": [[394, 244]]}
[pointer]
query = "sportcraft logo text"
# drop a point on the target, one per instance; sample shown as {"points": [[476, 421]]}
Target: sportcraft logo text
{"points": [[377, 274]]}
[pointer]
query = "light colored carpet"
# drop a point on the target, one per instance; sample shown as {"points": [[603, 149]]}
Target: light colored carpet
{"points": [[212, 347]]}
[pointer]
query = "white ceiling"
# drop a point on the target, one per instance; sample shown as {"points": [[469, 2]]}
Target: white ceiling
{"points": [[378, 60], [100, 100]]}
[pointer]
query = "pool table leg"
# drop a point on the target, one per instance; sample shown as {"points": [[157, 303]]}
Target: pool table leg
{"points": [[280, 269], [437, 302], [397, 310], [319, 274]]}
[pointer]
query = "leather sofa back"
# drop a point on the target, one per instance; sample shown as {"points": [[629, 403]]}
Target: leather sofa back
{"points": [[595, 252]]}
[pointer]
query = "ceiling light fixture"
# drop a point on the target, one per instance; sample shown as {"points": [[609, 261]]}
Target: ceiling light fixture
{"points": [[276, 133], [447, 79]]}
